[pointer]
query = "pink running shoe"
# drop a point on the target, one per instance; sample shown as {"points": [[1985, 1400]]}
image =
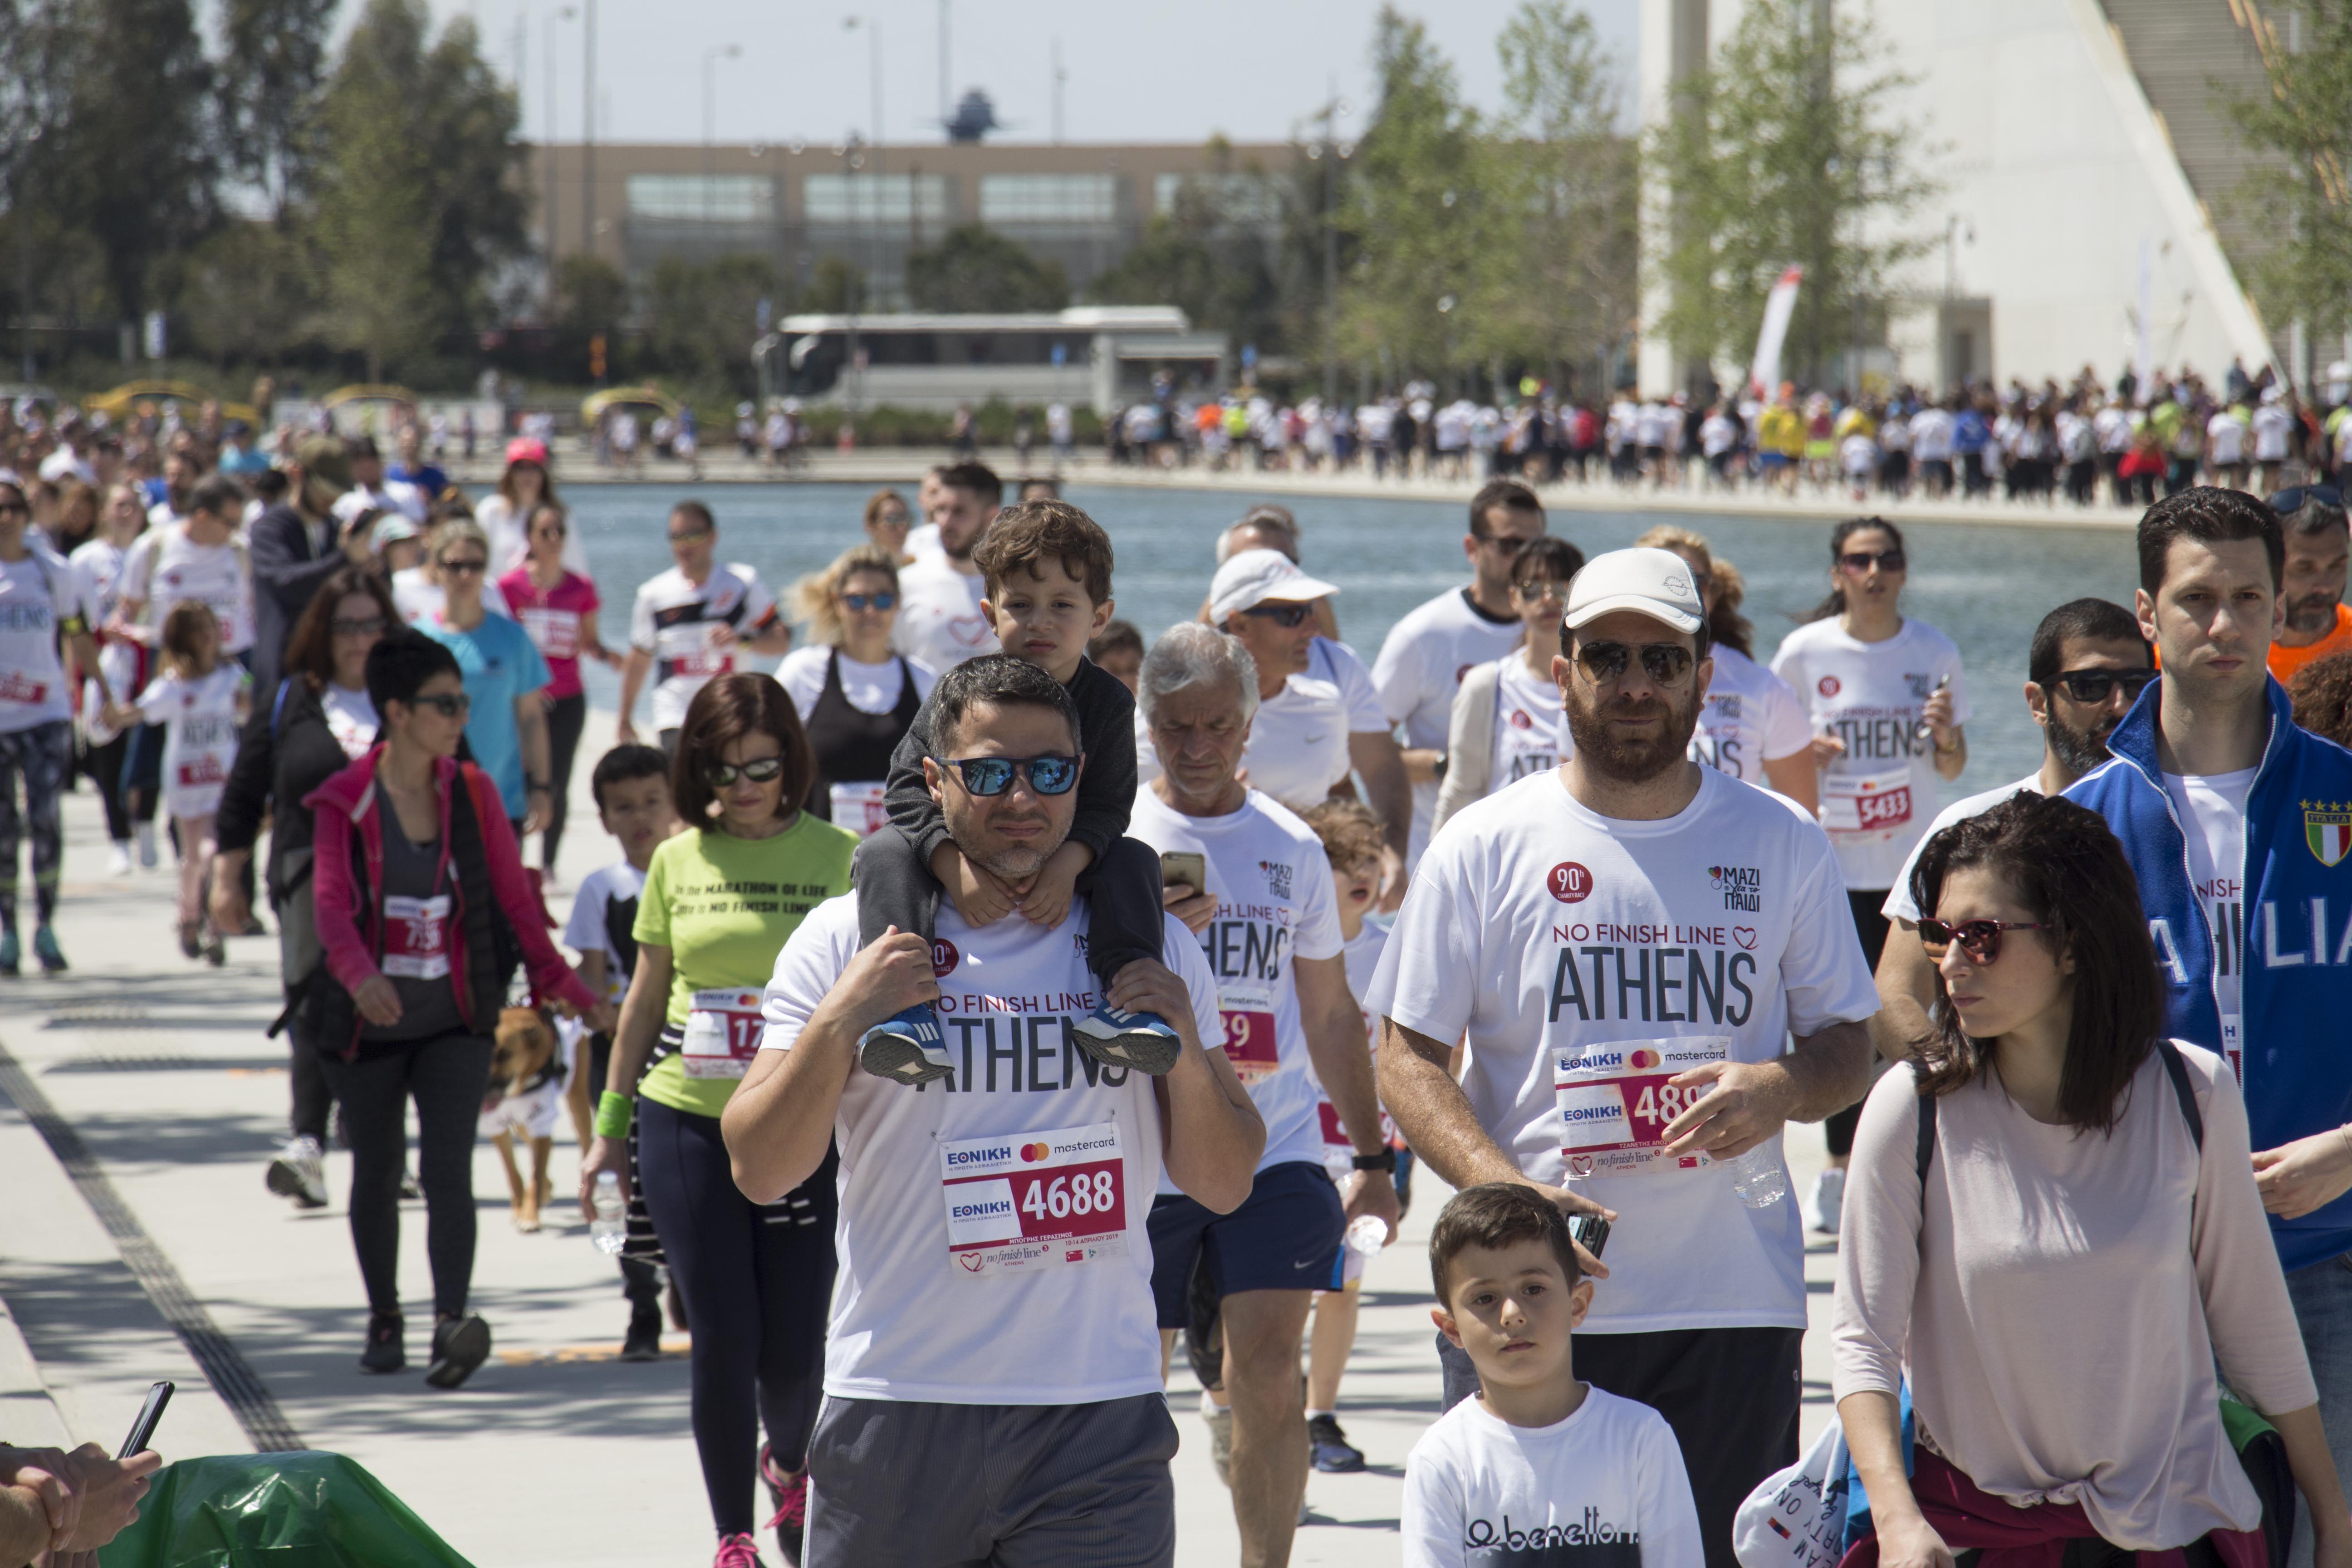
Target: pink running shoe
{"points": [[737, 1551], [790, 1498]]}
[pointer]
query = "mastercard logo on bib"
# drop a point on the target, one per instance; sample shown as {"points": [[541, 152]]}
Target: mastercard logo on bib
{"points": [[1032, 1153], [1644, 1058], [1569, 882]]}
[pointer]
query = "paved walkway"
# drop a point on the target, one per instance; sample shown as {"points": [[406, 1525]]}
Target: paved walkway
{"points": [[156, 1235]]}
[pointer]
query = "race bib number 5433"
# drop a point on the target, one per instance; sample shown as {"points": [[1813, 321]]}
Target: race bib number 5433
{"points": [[1033, 1200], [1617, 1097]]}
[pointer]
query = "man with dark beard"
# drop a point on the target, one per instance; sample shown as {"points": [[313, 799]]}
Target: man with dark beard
{"points": [[2087, 666], [2314, 621], [1630, 942]]}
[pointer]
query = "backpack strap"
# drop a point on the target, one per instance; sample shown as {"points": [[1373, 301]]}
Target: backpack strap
{"points": [[2177, 1070], [278, 707], [1926, 1126]]}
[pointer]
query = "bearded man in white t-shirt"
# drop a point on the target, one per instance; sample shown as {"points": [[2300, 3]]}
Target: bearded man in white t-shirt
{"points": [[1628, 942], [992, 1365], [940, 623]]}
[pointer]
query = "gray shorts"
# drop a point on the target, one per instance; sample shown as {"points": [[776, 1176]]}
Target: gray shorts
{"points": [[899, 1485]]}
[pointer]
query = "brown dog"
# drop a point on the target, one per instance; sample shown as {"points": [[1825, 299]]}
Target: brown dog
{"points": [[525, 1093]]}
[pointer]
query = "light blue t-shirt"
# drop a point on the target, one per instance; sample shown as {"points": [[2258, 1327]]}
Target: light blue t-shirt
{"points": [[500, 665]]}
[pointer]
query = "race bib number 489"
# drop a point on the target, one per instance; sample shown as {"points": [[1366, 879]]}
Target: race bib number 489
{"points": [[1617, 1097], [1033, 1200]]}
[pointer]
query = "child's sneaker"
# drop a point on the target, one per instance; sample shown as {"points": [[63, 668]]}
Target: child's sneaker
{"points": [[1142, 1041], [907, 1048]]}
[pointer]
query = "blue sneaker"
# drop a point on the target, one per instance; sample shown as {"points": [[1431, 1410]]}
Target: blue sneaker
{"points": [[45, 949], [12, 953], [1140, 1041], [907, 1048]]}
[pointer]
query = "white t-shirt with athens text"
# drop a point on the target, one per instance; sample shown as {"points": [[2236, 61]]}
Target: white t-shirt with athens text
{"points": [[1575, 946], [1420, 669], [1275, 904], [1899, 905], [674, 620], [1878, 796], [37, 595], [165, 566], [1061, 1325], [1751, 717], [1605, 1486], [2212, 811]]}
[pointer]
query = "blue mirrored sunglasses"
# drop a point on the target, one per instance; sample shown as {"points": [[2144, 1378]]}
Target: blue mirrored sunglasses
{"points": [[993, 775]]}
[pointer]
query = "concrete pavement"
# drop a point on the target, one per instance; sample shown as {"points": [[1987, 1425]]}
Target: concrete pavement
{"points": [[154, 1233]]}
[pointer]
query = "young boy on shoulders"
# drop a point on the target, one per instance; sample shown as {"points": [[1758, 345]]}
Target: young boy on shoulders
{"points": [[1539, 1467], [1045, 569], [631, 785]]}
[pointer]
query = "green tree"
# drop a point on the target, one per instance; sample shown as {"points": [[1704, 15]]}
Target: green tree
{"points": [[1563, 290], [1418, 209], [975, 268], [702, 316], [1786, 151], [247, 292], [1209, 256], [273, 65], [2301, 126], [836, 286]]}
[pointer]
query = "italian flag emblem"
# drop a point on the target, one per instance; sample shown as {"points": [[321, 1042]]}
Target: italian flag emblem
{"points": [[2328, 828]]}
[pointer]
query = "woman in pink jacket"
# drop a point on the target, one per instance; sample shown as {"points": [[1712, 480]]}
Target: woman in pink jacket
{"points": [[424, 912]]}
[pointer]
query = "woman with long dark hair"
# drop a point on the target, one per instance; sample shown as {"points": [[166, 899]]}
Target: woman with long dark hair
{"points": [[317, 723], [2052, 1227], [1886, 701], [422, 903]]}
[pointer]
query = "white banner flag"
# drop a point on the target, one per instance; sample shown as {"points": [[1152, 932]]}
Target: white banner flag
{"points": [[1765, 378]]}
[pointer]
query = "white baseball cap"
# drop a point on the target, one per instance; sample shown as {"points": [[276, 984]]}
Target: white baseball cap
{"points": [[1256, 577], [1652, 582]]}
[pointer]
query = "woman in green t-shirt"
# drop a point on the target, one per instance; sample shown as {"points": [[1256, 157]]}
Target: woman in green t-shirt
{"points": [[718, 901]]}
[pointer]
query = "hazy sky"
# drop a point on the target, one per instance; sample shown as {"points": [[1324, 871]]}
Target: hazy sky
{"points": [[1157, 72]]}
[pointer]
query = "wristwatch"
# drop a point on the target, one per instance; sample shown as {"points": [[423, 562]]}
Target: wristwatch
{"points": [[1383, 1161]]}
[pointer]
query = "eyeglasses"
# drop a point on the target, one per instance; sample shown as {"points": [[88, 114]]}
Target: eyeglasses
{"points": [[987, 776], [2287, 503], [1859, 561], [1284, 615], [1981, 940], [1667, 663], [690, 536], [1537, 592], [448, 704], [759, 770], [366, 628], [464, 568], [1506, 545], [2093, 685], [869, 601]]}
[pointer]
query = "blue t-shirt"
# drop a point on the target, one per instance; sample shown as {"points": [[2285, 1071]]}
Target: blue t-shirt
{"points": [[500, 665]]}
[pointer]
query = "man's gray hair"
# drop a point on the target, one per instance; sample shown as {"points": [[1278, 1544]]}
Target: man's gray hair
{"points": [[1190, 654]]}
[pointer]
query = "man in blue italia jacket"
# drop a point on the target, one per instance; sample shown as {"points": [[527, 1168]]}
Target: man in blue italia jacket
{"points": [[2237, 825]]}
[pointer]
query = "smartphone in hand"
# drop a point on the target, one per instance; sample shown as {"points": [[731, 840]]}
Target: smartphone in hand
{"points": [[143, 1430], [1185, 869]]}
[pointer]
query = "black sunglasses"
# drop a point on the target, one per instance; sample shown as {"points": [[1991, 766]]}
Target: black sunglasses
{"points": [[1859, 561], [364, 628], [2093, 685], [2287, 503], [465, 568], [759, 770], [870, 601], [448, 705], [1667, 663], [1541, 589], [987, 776], [1981, 940], [1284, 615], [1505, 544]]}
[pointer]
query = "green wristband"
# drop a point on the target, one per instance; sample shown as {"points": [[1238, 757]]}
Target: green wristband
{"points": [[613, 1114]]}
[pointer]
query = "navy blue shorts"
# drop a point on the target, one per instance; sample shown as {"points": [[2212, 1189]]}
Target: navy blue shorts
{"points": [[1284, 1236]]}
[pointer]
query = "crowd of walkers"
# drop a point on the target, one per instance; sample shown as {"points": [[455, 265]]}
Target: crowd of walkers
{"points": [[985, 1000]]}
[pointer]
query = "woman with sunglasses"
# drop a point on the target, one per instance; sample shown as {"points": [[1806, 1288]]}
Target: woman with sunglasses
{"points": [[1506, 721], [719, 900], [887, 524], [421, 903], [1886, 700], [505, 677], [856, 699], [2053, 1229], [319, 721], [557, 607]]}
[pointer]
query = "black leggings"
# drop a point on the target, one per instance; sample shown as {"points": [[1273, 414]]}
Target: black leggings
{"points": [[104, 766], [447, 1075], [313, 1100], [758, 1284], [566, 716], [1871, 926], [42, 757]]}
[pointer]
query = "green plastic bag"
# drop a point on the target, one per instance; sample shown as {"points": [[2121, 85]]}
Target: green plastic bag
{"points": [[275, 1510]]}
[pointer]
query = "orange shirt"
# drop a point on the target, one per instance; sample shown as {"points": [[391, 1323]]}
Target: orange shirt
{"points": [[2285, 660]]}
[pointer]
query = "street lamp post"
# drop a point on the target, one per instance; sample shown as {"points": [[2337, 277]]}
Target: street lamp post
{"points": [[874, 60], [710, 58], [562, 14], [588, 132], [1328, 151]]}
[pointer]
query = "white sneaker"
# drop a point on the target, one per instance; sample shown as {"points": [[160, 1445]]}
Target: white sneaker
{"points": [[301, 1172], [118, 859], [147, 846], [1826, 1203]]}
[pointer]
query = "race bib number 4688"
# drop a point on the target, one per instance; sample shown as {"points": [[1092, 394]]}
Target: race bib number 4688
{"points": [[1033, 1200]]}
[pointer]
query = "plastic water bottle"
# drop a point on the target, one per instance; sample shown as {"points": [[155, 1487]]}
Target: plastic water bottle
{"points": [[1368, 1234], [1758, 1178], [609, 1228]]}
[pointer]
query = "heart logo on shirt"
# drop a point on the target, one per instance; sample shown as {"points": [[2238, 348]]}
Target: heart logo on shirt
{"points": [[1745, 936], [969, 629]]}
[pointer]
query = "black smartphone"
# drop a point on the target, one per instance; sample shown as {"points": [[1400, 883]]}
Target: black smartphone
{"points": [[142, 1431], [1185, 869], [1588, 1231]]}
